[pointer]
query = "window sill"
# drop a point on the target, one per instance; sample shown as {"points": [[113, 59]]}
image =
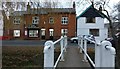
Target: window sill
{"points": [[64, 24], [16, 24]]}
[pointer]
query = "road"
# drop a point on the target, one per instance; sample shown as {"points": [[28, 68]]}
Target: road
{"points": [[22, 43], [34, 43]]}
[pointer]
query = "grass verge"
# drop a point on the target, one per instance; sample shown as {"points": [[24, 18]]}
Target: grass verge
{"points": [[24, 57]]}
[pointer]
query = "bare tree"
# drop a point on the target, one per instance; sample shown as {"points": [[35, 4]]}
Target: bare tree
{"points": [[112, 30], [103, 4], [50, 4], [10, 7]]}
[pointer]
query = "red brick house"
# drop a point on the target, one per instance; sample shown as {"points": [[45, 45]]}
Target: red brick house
{"points": [[41, 23]]}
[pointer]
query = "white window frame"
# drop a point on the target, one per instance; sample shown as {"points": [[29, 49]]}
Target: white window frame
{"points": [[16, 33], [34, 20], [33, 33], [16, 20], [64, 31], [51, 20], [64, 20], [97, 32]]}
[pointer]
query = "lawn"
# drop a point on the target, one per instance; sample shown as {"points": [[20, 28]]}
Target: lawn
{"points": [[24, 57]]}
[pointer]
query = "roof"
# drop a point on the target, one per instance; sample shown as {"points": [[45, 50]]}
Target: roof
{"points": [[45, 11], [92, 12]]}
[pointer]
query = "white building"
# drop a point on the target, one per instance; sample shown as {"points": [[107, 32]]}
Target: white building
{"points": [[91, 21]]}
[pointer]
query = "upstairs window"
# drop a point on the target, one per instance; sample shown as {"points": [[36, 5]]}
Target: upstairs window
{"points": [[90, 20], [51, 20], [64, 20], [35, 20], [16, 21], [94, 32]]}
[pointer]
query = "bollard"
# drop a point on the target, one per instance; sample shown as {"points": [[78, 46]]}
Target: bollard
{"points": [[48, 54]]}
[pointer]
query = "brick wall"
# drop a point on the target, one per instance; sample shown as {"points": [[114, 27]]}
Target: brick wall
{"points": [[43, 23]]}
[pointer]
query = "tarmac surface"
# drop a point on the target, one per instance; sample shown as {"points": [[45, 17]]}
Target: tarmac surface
{"points": [[33, 43]]}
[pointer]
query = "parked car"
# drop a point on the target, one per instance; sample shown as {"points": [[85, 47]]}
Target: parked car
{"points": [[75, 39]]}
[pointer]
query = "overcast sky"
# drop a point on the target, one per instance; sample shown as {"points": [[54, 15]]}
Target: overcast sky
{"points": [[81, 5]]}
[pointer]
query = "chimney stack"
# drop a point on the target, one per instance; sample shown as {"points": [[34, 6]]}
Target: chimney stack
{"points": [[28, 7], [100, 8], [92, 4], [74, 4]]}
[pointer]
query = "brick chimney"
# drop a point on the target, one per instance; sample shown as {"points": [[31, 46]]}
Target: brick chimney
{"points": [[28, 7]]}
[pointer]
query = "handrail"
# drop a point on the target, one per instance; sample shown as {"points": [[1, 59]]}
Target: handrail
{"points": [[58, 59], [92, 41], [49, 59], [103, 58], [111, 49], [88, 57], [61, 51], [93, 64], [58, 40]]}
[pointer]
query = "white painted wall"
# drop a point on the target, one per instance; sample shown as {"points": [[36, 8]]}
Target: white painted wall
{"points": [[83, 28]]}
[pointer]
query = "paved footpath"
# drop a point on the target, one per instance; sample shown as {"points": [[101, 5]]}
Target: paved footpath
{"points": [[73, 58]]}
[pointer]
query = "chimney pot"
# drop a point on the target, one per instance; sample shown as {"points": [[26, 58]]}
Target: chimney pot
{"points": [[74, 4]]}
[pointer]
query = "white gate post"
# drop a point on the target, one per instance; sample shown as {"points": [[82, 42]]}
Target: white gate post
{"points": [[48, 54], [108, 55], [62, 44], [97, 55]]}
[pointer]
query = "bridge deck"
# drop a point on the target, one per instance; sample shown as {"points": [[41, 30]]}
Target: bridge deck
{"points": [[73, 58]]}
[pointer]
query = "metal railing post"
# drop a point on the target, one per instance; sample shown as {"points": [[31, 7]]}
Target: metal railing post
{"points": [[62, 44], [48, 54], [85, 50], [81, 44], [65, 42], [83, 47]]}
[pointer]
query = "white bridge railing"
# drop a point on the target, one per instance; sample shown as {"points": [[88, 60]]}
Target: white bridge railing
{"points": [[49, 52], [104, 52]]}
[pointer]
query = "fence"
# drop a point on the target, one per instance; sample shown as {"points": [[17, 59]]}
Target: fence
{"points": [[104, 52], [49, 52]]}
